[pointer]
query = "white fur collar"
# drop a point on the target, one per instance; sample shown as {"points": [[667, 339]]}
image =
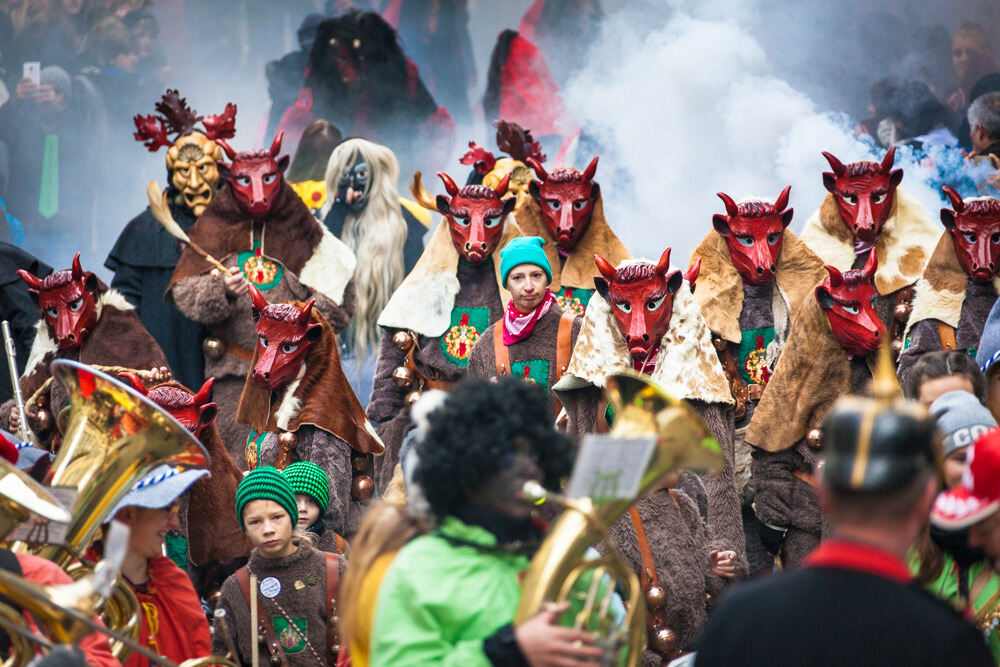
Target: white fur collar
{"points": [[687, 367], [330, 267], [289, 406]]}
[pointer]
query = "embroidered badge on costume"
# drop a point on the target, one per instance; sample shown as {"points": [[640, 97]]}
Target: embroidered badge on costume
{"points": [[535, 371], [270, 587], [574, 300], [264, 273], [467, 324], [299, 584], [292, 640], [753, 355], [252, 453], [312, 579]]}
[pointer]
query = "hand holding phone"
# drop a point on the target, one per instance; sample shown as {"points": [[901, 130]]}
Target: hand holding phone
{"points": [[33, 72]]}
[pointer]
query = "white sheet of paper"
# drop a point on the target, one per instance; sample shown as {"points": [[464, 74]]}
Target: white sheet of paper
{"points": [[610, 468]]}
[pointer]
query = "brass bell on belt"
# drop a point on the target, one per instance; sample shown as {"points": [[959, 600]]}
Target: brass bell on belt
{"points": [[664, 642], [362, 488], [402, 341], [402, 377], [287, 440], [814, 438], [655, 597], [359, 462], [413, 397], [213, 348], [902, 312]]}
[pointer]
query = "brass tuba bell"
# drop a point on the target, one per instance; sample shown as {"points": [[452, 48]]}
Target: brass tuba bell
{"points": [[682, 441]]}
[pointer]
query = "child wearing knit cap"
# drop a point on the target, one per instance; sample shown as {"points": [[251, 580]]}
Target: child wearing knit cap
{"points": [[292, 582], [312, 495]]}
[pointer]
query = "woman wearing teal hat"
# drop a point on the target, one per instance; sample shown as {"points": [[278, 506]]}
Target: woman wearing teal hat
{"points": [[535, 338]]}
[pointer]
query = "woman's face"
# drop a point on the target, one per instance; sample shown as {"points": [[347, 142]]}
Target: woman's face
{"points": [[965, 53], [952, 468]]}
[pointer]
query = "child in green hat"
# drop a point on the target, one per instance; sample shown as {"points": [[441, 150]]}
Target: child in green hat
{"points": [[312, 495]]}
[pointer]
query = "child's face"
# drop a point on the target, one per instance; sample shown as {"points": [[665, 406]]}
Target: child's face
{"points": [[308, 510], [952, 468], [269, 528], [931, 389]]}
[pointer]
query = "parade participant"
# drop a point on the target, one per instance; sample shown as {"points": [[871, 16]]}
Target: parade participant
{"points": [[297, 585], [312, 495], [937, 373], [144, 256], [865, 210], [518, 144], [213, 535], [826, 356], [300, 407], [852, 602], [17, 307], [441, 309], [258, 225], [959, 284], [307, 172], [534, 339], [173, 622], [566, 209], [643, 318], [472, 465], [85, 320]]}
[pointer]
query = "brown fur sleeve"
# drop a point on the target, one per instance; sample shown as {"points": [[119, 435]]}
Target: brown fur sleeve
{"points": [[203, 298], [387, 399]]}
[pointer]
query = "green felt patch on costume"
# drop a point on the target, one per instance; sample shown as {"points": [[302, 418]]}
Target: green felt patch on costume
{"points": [[292, 639], [177, 548], [257, 268], [467, 325], [574, 300], [535, 371], [254, 441], [752, 355]]}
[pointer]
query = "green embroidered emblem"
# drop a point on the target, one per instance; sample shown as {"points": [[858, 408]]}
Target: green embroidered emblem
{"points": [[535, 371], [264, 273], [752, 355], [467, 324], [254, 441], [574, 300], [292, 640]]}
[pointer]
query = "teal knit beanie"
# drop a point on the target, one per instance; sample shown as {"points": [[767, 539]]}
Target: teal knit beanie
{"points": [[309, 479], [266, 484], [523, 250]]}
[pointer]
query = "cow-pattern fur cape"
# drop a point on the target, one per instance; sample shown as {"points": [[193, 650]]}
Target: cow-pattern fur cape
{"points": [[904, 244], [424, 300], [579, 269], [720, 286]]}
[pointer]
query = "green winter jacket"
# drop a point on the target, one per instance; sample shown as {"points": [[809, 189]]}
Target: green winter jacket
{"points": [[440, 599]]}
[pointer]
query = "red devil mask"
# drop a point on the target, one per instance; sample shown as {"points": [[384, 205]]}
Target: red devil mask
{"points": [[566, 197], [849, 300], [975, 227], [255, 176], [864, 192], [193, 411], [475, 217], [754, 232], [284, 334], [68, 300], [641, 296]]}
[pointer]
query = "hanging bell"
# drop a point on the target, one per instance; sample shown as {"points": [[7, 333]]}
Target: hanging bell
{"points": [[42, 420], [359, 461], [287, 440], [275, 660], [664, 642], [901, 313], [402, 377], [362, 488], [413, 397], [655, 597], [213, 348], [720, 344], [814, 438], [402, 341], [897, 346]]}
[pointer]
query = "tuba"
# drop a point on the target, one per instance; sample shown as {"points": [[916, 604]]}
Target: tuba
{"points": [[682, 441]]}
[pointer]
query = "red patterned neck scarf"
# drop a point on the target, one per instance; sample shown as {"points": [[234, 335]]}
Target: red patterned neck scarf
{"points": [[517, 325]]}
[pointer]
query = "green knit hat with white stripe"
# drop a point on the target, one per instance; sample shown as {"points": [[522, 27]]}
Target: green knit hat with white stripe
{"points": [[309, 479], [266, 484]]}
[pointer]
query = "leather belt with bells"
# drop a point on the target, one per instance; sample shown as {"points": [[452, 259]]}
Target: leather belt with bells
{"points": [[662, 640]]}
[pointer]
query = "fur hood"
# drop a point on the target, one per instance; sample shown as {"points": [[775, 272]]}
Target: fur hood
{"points": [[424, 300], [687, 366], [579, 270], [940, 292], [292, 236], [812, 373], [321, 396], [903, 247], [720, 287]]}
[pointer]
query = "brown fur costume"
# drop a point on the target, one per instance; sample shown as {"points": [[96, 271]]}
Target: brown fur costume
{"points": [[579, 269]]}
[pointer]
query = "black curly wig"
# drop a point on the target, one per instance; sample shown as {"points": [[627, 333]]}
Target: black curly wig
{"points": [[476, 429]]}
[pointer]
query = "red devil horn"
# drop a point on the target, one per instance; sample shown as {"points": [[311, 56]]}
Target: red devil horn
{"points": [[77, 267], [539, 169], [588, 173], [204, 394], [501, 188], [835, 164], [957, 202], [664, 264], [449, 184], [872, 264], [276, 144], [888, 160], [259, 302], [691, 275], [781, 203], [230, 153], [33, 282], [136, 383], [731, 208], [604, 266], [836, 277], [305, 314]]}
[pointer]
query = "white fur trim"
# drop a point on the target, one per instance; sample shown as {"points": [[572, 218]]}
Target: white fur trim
{"points": [[113, 298], [330, 268], [943, 305], [289, 406], [422, 305], [687, 366], [43, 345]]}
